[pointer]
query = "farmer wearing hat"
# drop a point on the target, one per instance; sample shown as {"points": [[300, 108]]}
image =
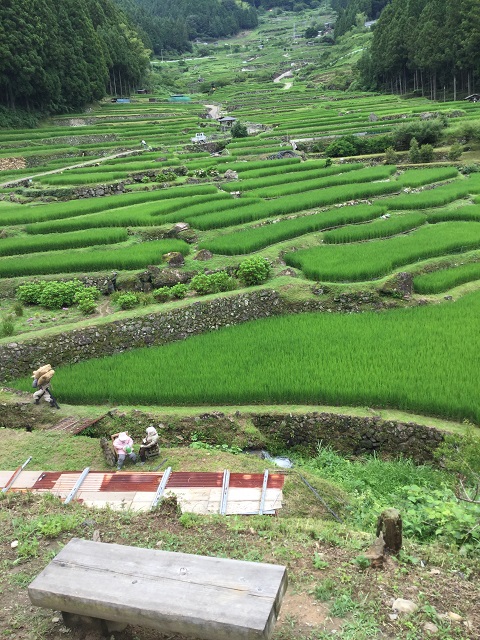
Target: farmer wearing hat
{"points": [[123, 445], [148, 443]]}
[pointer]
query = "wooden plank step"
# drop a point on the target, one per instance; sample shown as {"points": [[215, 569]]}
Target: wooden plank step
{"points": [[74, 425], [83, 424], [176, 593], [66, 425]]}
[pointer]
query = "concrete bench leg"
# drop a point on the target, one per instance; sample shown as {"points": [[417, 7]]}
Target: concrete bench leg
{"points": [[87, 623]]}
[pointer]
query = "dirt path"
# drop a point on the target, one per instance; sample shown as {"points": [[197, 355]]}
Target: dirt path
{"points": [[87, 163], [287, 74], [214, 110]]}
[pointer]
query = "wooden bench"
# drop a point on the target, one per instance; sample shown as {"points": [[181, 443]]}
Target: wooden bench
{"points": [[115, 585]]}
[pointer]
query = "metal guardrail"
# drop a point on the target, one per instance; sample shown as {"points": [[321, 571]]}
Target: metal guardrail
{"points": [[224, 497], [77, 485], [15, 475], [161, 486]]}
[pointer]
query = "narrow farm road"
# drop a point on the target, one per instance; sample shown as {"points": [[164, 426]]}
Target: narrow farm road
{"points": [[287, 74], [214, 110], [12, 183]]}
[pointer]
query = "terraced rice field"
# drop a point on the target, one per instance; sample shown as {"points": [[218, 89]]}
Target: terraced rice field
{"points": [[350, 220]]}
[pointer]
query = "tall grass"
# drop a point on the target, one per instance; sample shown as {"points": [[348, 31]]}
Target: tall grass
{"points": [[291, 204], [205, 208], [363, 261], [254, 165], [418, 177], [54, 242], [445, 279], [24, 214], [275, 168], [264, 180], [436, 197], [422, 359], [93, 259], [250, 240], [347, 177], [381, 228], [468, 212], [145, 214]]}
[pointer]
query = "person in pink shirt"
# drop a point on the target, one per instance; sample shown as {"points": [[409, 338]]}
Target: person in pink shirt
{"points": [[123, 445]]}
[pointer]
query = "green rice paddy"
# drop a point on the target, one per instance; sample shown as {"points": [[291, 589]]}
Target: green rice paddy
{"points": [[423, 359]]}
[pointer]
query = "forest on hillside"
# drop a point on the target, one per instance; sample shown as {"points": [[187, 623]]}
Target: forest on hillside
{"points": [[348, 10], [431, 47], [59, 56], [171, 25]]}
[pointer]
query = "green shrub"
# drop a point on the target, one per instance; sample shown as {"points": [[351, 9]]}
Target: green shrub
{"points": [[344, 146], [439, 514], [239, 130], [86, 299], [86, 303], [390, 156], [162, 294], [18, 309], [204, 284], [30, 293], [426, 153], [254, 270], [56, 295], [127, 301], [455, 151], [467, 169], [414, 152], [144, 298], [468, 131], [428, 132], [179, 291], [7, 327]]}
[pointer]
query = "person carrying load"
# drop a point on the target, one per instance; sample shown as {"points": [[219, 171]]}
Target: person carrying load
{"points": [[41, 382]]}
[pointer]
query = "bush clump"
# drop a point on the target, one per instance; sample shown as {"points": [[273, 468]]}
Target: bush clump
{"points": [[455, 151], [162, 294], [254, 270], [30, 293], [179, 291], [56, 294], [7, 326], [127, 301], [86, 299], [51, 295], [204, 284], [428, 132]]}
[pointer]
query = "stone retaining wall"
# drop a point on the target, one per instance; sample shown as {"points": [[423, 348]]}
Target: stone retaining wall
{"points": [[19, 359], [276, 433], [350, 434]]}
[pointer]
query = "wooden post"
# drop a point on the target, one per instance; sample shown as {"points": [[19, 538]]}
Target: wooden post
{"points": [[389, 524]]}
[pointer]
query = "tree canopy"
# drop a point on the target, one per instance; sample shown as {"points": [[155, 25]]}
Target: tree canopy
{"points": [[425, 46], [59, 56], [171, 25], [348, 10]]}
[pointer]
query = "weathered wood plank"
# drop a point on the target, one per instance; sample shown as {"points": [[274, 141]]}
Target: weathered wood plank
{"points": [[211, 598]]}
